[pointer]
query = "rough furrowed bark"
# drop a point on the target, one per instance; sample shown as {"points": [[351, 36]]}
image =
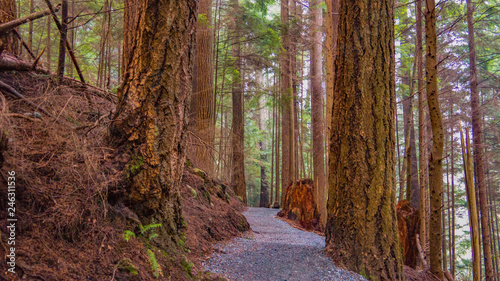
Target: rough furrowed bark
{"points": [[361, 232], [149, 123]]}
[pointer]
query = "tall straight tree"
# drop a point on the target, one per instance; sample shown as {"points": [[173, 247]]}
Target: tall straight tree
{"points": [[150, 119], [287, 117], [361, 232], [477, 140], [317, 111], [8, 41], [421, 130], [238, 131], [204, 91], [435, 162]]}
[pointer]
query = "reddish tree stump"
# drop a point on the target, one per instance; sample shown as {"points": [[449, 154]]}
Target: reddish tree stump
{"points": [[299, 204], [408, 228]]}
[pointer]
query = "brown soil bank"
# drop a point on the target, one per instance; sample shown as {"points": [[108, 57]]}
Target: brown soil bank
{"points": [[70, 227]]}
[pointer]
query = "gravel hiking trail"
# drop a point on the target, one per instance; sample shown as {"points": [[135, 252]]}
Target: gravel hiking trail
{"points": [[275, 251]]}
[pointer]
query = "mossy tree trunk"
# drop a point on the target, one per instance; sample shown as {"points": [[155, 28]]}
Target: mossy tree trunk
{"points": [[149, 123], [361, 231]]}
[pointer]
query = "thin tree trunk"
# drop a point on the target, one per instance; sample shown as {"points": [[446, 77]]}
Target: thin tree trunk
{"points": [[287, 134], [264, 185], [49, 45], [471, 205], [30, 27], [477, 133], [452, 198], [238, 112], [62, 40], [421, 125]]}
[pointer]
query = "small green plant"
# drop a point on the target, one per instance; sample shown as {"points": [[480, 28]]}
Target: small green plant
{"points": [[128, 234], [188, 266], [155, 267], [126, 264]]}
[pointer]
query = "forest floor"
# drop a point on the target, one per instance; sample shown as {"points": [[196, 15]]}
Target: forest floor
{"points": [[274, 250]]}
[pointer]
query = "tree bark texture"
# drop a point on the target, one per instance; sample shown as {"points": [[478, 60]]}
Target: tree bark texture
{"points": [[130, 17], [362, 232], [151, 115], [8, 40], [435, 161]]}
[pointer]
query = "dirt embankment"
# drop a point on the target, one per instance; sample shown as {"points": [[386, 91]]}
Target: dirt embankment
{"points": [[68, 227]]}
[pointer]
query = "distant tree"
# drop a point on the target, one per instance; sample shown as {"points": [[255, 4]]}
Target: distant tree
{"points": [[477, 130], [238, 131], [8, 41], [62, 40], [361, 231], [317, 110]]}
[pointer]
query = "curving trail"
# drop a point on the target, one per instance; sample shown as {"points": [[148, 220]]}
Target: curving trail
{"points": [[275, 252]]}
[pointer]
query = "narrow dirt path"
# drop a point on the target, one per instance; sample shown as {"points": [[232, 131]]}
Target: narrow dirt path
{"points": [[275, 252]]}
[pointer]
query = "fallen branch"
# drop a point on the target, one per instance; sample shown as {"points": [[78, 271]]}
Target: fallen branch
{"points": [[17, 22], [9, 90], [38, 58], [8, 63], [22, 116], [24, 43]]}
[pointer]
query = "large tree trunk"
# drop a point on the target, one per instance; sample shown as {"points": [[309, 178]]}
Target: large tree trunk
{"points": [[317, 111], [361, 232], [477, 132], [238, 112], [204, 90], [287, 135], [8, 40], [148, 126], [435, 162]]}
